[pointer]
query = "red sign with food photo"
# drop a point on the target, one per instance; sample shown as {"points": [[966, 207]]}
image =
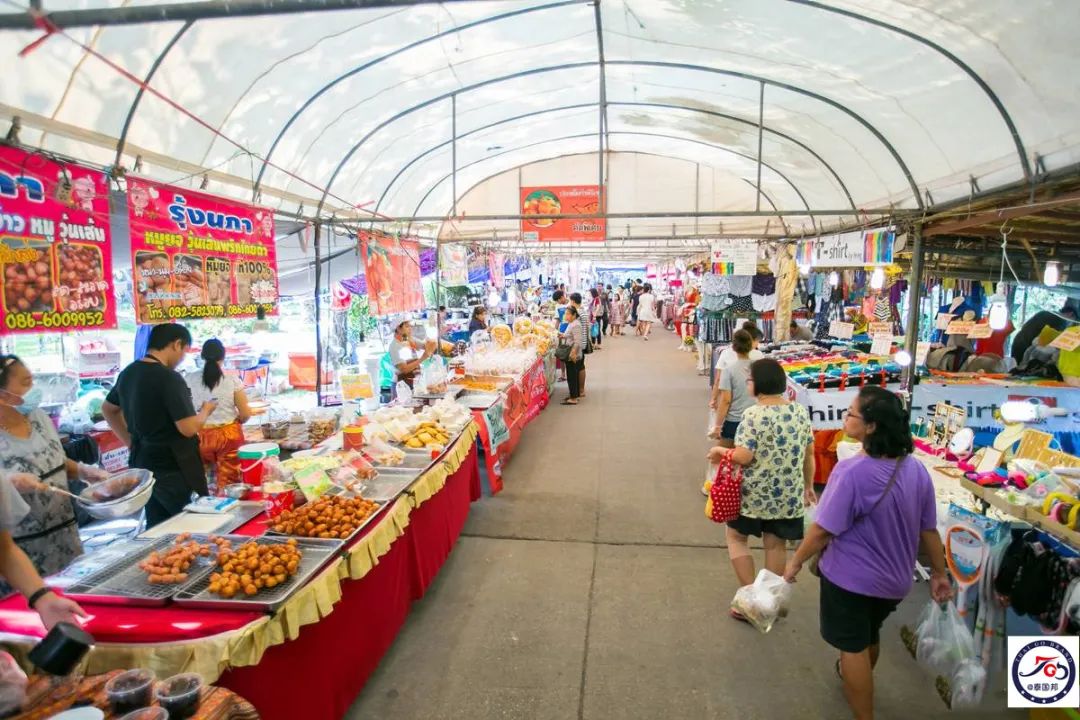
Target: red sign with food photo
{"points": [[561, 200], [196, 255], [392, 272], [55, 248]]}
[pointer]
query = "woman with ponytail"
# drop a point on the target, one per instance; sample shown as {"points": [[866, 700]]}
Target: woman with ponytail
{"points": [[222, 435]]}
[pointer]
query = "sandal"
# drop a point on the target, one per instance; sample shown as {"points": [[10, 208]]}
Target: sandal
{"points": [[568, 401]]}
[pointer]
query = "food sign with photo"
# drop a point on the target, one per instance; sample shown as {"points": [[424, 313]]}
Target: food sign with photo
{"points": [[561, 200], [196, 255], [454, 265], [55, 248], [392, 269]]}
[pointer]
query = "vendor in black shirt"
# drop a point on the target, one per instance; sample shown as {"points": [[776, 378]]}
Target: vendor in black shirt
{"points": [[150, 410], [479, 319]]}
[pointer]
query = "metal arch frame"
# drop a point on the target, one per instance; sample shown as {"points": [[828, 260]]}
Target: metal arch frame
{"points": [[1025, 164], [579, 106], [122, 142], [382, 58], [446, 177], [916, 194], [759, 189]]}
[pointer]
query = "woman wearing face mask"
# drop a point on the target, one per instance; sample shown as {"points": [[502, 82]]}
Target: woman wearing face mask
{"points": [[30, 451]]}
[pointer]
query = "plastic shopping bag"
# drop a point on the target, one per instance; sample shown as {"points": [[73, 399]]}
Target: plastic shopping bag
{"points": [[763, 602], [12, 685], [944, 640]]}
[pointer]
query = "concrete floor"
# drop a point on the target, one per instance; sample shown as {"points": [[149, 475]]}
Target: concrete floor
{"points": [[594, 587]]}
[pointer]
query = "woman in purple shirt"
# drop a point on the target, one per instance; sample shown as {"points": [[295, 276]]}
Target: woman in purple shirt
{"points": [[876, 510]]}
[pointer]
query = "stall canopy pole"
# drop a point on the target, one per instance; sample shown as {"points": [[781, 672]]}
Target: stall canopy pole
{"points": [[911, 339], [601, 130], [760, 137], [453, 154], [318, 317]]}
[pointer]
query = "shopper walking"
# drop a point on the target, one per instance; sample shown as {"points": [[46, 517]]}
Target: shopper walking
{"points": [[619, 309], [222, 435], [586, 325], [732, 395], [774, 444], [575, 363], [635, 299], [877, 509], [151, 411], [599, 315], [646, 311]]}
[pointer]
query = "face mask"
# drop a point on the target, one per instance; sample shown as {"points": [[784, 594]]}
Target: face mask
{"points": [[30, 401]]}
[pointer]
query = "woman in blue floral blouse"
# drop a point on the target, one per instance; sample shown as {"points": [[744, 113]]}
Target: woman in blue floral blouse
{"points": [[775, 446]]}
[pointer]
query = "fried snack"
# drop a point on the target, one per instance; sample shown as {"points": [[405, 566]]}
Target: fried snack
{"points": [[332, 517], [428, 434], [28, 286], [171, 567], [319, 430], [80, 273], [255, 566]]}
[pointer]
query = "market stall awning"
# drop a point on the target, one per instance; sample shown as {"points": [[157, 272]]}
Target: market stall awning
{"points": [[778, 104]]}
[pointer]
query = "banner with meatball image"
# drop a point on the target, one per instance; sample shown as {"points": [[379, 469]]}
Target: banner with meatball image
{"points": [[195, 255], [392, 270], [55, 249]]}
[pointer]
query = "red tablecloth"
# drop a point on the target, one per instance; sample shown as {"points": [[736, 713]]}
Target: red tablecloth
{"points": [[320, 673]]}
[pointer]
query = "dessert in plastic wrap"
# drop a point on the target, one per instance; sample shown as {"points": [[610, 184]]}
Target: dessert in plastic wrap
{"points": [[501, 335], [500, 361], [382, 453], [523, 326], [764, 601]]}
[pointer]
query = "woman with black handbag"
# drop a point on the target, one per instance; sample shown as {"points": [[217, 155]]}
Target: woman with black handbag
{"points": [[876, 510], [571, 351]]}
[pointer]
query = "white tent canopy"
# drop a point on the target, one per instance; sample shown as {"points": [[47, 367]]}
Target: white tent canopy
{"points": [[873, 104]]}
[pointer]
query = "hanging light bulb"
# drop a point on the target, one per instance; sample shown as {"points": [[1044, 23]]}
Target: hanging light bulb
{"points": [[834, 278], [1051, 274], [902, 358], [804, 269], [877, 278], [493, 298], [999, 309]]}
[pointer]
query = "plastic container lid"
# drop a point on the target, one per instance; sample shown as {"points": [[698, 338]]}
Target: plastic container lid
{"points": [[148, 713], [254, 451]]}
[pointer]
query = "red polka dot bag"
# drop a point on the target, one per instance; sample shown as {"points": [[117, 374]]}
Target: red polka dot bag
{"points": [[725, 495]]}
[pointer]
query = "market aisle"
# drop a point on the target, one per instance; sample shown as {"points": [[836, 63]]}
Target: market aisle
{"points": [[594, 587]]}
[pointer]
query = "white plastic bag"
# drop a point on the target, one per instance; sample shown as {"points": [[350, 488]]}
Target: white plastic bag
{"points": [[809, 513], [944, 641], [764, 601]]}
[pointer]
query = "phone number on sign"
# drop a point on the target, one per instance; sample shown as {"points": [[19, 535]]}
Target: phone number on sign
{"points": [[181, 312], [53, 320]]}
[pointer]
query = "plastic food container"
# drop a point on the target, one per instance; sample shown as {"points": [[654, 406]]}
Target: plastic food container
{"points": [[252, 457], [130, 690], [149, 713], [180, 695], [352, 437]]}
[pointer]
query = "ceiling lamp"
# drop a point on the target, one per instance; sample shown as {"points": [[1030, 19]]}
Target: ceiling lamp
{"points": [[493, 298], [902, 358], [1051, 274], [999, 309], [834, 278], [877, 278]]}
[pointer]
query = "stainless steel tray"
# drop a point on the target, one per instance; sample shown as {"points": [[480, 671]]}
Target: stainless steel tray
{"points": [[335, 490], [123, 583], [241, 513], [316, 553], [389, 485], [451, 391]]}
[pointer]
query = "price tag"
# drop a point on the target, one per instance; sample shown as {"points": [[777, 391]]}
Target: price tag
{"points": [[943, 320], [980, 331], [841, 330], [880, 328], [960, 327], [882, 345], [921, 351], [313, 482], [1068, 340]]}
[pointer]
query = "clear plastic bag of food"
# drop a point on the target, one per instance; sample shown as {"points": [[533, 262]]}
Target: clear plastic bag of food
{"points": [[763, 602], [12, 685], [943, 640]]}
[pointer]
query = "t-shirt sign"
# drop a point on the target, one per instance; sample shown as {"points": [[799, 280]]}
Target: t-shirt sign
{"points": [[55, 249], [841, 330], [195, 255]]}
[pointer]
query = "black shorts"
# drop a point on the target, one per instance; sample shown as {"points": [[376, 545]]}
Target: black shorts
{"points": [[785, 529], [727, 430], [851, 622]]}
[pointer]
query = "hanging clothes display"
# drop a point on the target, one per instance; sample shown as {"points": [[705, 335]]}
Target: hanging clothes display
{"points": [[763, 292]]}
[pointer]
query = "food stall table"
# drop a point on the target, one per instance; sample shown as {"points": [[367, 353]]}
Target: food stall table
{"points": [[326, 640]]}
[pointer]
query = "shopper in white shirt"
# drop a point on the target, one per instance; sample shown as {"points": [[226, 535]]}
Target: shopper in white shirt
{"points": [[223, 434], [729, 357]]}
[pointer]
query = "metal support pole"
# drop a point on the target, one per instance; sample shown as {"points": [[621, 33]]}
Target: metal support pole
{"points": [[601, 195], [453, 153], [760, 137], [318, 316], [911, 337], [697, 196]]}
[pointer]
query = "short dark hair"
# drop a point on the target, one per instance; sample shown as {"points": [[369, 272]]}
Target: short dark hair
{"points": [[892, 429], [162, 336], [478, 311], [768, 376], [594, 292], [7, 362], [557, 295], [741, 342], [575, 298], [648, 287], [755, 332], [574, 311]]}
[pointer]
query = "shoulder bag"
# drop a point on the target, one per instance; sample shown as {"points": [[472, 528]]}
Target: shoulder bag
{"points": [[812, 564]]}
